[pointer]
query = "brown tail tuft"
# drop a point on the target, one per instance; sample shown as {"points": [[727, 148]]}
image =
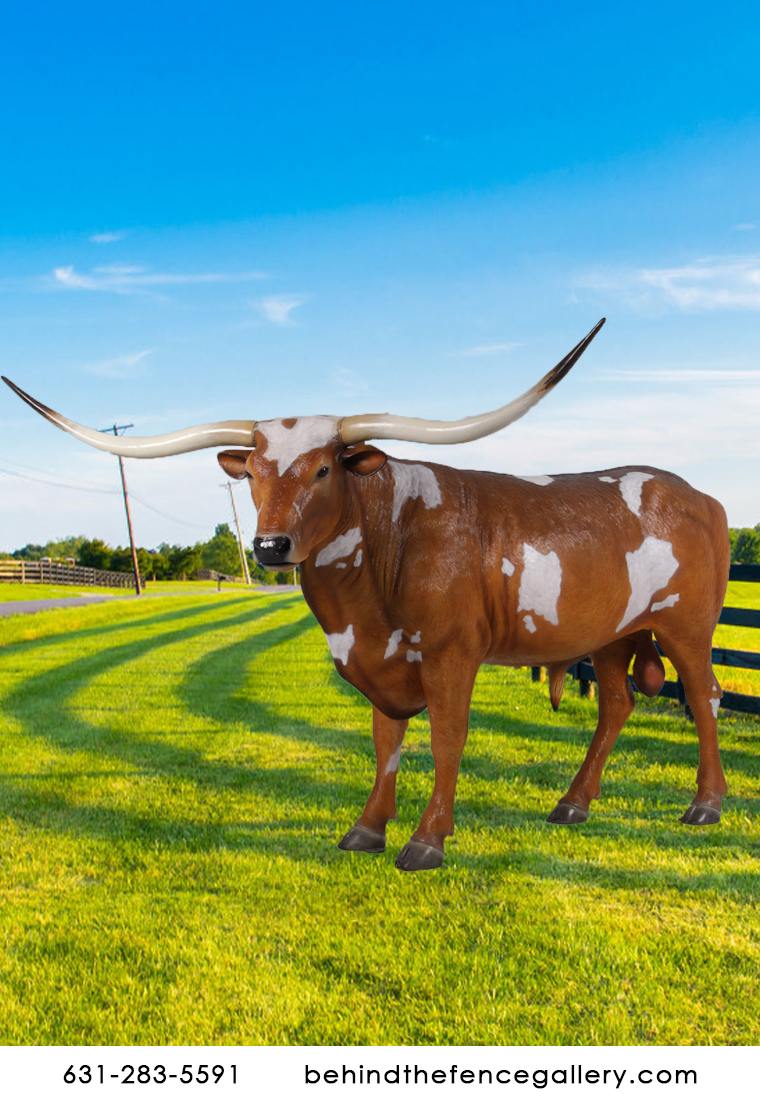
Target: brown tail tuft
{"points": [[556, 683]]}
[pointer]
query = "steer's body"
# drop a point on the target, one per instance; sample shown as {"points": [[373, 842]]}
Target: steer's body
{"points": [[496, 572], [429, 572], [419, 573]]}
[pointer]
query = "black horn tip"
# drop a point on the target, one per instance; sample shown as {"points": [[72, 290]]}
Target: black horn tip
{"points": [[555, 376], [38, 406], [19, 392]]}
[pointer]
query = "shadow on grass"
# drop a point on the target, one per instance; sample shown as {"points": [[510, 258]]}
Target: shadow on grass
{"points": [[473, 810], [214, 680], [76, 634], [213, 687]]}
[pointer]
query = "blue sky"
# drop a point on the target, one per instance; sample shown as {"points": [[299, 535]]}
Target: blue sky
{"points": [[242, 211]]}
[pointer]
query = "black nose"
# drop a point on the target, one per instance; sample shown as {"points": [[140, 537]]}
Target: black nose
{"points": [[271, 550]]}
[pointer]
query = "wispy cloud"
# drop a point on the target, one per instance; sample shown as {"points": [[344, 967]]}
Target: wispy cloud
{"points": [[679, 376], [129, 279], [744, 226], [277, 309], [347, 383], [702, 431], [119, 367], [108, 236], [709, 284], [486, 351]]}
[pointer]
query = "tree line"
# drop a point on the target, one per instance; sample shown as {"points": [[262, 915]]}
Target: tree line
{"points": [[221, 554], [745, 545], [168, 561]]}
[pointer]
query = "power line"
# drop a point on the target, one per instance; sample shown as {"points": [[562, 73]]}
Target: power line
{"points": [[170, 517], [241, 546], [117, 429], [100, 490], [60, 485]]}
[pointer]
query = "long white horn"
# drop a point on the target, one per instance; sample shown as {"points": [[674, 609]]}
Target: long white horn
{"points": [[238, 433], [355, 429]]}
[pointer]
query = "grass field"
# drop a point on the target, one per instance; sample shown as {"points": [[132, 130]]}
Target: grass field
{"points": [[23, 591], [20, 592], [174, 776]]}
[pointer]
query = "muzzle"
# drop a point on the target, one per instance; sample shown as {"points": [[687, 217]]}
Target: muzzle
{"points": [[271, 551]]}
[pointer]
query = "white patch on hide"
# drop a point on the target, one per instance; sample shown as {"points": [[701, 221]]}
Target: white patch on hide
{"points": [[340, 644], [715, 704], [540, 583], [358, 559], [669, 602], [284, 445], [650, 568], [343, 545], [393, 762], [630, 489], [413, 480], [341, 565], [607, 478], [393, 643], [715, 688], [507, 567], [529, 624], [538, 479], [416, 637], [414, 655]]}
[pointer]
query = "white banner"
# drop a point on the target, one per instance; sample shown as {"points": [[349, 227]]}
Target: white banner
{"points": [[613, 1083]]}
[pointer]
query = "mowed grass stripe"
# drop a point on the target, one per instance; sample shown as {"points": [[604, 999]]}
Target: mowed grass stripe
{"points": [[107, 698], [175, 784]]}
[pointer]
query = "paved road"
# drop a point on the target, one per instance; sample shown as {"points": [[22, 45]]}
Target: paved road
{"points": [[32, 606]]}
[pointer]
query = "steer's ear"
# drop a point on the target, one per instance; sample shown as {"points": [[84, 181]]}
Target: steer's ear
{"points": [[233, 462], [363, 460]]}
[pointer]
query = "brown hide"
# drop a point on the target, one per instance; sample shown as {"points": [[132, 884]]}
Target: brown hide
{"points": [[419, 573], [440, 572]]}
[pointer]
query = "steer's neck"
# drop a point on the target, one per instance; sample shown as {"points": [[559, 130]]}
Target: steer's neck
{"points": [[349, 573]]}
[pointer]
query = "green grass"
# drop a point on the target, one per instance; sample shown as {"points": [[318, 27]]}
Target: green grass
{"points": [[174, 776], [20, 592], [186, 586]]}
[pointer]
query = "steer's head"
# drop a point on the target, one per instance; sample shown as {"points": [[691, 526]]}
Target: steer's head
{"points": [[298, 474], [299, 468]]}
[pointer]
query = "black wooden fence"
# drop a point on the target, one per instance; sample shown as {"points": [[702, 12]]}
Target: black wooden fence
{"points": [[583, 671]]}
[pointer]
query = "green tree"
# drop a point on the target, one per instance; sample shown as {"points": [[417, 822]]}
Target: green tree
{"points": [[160, 564], [29, 552], [222, 553], [185, 561], [57, 550], [95, 554], [746, 548]]}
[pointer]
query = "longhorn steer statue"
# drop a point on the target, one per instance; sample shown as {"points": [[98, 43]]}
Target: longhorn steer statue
{"points": [[419, 574]]}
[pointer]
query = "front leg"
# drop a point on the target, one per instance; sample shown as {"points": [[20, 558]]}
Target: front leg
{"points": [[368, 834], [448, 697]]}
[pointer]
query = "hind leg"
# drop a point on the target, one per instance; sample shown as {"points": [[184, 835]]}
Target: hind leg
{"points": [[694, 666], [615, 705]]}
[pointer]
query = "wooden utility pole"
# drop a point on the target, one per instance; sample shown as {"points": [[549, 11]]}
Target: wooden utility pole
{"points": [[243, 558], [117, 429]]}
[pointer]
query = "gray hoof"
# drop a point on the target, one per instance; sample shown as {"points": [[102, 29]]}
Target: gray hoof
{"points": [[700, 813], [361, 839], [419, 856], [565, 813]]}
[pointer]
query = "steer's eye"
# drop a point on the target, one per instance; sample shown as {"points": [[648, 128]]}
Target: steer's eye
{"points": [[322, 472]]}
